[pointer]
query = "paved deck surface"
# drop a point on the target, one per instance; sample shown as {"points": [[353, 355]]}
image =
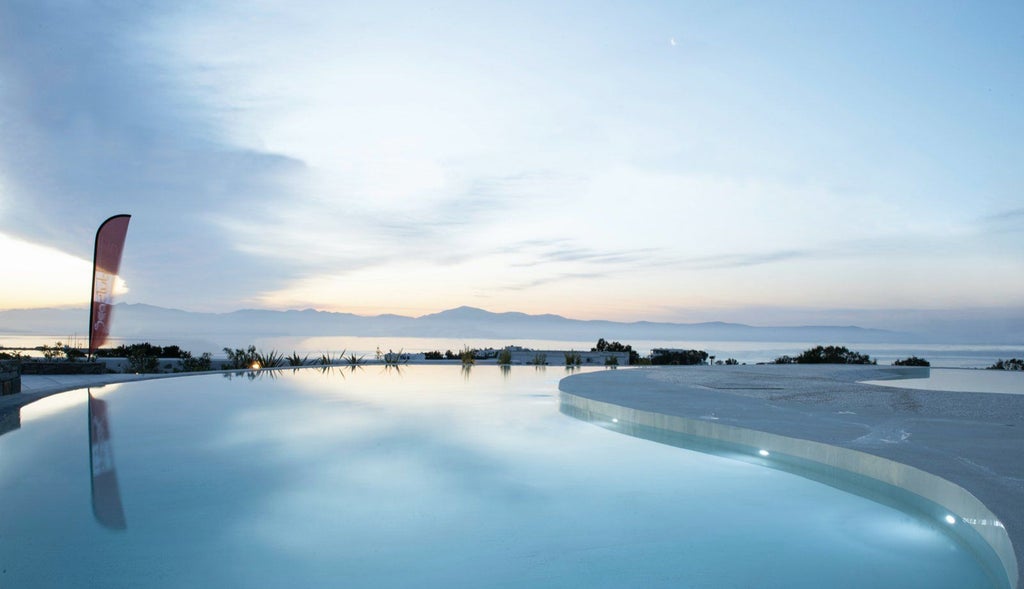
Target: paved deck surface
{"points": [[975, 440]]}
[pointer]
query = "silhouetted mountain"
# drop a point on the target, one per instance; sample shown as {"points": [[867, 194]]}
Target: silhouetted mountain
{"points": [[146, 321]]}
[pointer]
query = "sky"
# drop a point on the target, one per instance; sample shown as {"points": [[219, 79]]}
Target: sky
{"points": [[762, 162]]}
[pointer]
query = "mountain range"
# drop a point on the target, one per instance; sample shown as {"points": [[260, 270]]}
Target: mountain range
{"points": [[140, 321]]}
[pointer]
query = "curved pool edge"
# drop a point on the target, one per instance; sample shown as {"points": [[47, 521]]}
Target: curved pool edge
{"points": [[793, 453]]}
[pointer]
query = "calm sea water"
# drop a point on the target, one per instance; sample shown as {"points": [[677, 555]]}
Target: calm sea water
{"points": [[940, 355]]}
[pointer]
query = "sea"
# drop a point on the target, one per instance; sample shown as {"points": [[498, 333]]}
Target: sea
{"points": [[951, 355]]}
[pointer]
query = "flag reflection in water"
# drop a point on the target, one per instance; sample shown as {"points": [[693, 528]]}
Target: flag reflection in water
{"points": [[106, 497]]}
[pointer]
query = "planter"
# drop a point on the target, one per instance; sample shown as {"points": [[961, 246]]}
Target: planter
{"points": [[10, 377], [63, 368]]}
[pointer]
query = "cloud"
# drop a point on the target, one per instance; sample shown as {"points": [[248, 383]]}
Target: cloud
{"points": [[1008, 221], [342, 232], [748, 259], [552, 279], [94, 125]]}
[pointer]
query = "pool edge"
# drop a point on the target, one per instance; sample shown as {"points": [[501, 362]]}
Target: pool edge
{"points": [[950, 496]]}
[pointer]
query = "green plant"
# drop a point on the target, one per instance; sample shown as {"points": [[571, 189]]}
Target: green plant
{"points": [[327, 359], [269, 360], [604, 346], [827, 355], [573, 358], [123, 351], [505, 357], [673, 357], [191, 364], [1011, 364], [239, 359], [435, 355], [53, 352], [467, 355], [912, 361], [611, 361], [141, 363], [354, 360], [393, 358], [296, 360], [539, 359]]}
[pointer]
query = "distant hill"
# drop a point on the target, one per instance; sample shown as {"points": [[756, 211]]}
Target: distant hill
{"points": [[146, 321]]}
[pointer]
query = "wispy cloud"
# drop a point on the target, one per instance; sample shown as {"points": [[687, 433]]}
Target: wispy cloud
{"points": [[1008, 221], [748, 259], [551, 279], [542, 252]]}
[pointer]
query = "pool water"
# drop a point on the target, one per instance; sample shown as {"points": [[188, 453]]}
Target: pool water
{"points": [[424, 476]]}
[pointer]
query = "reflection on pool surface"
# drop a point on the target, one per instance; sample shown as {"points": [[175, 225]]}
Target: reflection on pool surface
{"points": [[425, 476]]}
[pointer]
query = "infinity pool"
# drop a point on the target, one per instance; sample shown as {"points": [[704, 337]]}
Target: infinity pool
{"points": [[420, 477]]}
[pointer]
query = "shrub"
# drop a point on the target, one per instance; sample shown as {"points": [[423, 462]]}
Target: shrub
{"points": [[1011, 364], [664, 356], [435, 355], [239, 359], [505, 357], [827, 355], [141, 363], [200, 364], [53, 352], [912, 361], [573, 358], [539, 359], [467, 355], [148, 349], [731, 362], [611, 361], [604, 346]]}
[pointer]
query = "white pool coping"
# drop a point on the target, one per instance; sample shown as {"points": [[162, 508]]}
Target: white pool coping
{"points": [[817, 414]]}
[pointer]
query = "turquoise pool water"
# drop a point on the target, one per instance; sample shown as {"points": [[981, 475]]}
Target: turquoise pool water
{"points": [[424, 476]]}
